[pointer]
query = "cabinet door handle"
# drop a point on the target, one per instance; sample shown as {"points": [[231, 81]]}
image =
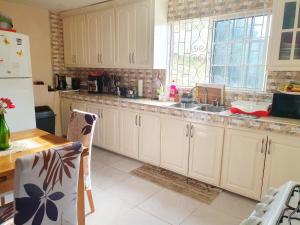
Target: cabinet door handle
{"points": [[101, 58], [187, 130], [132, 58], [75, 59], [136, 120], [140, 121], [262, 145], [71, 109], [102, 113], [269, 149], [192, 131], [98, 58]]}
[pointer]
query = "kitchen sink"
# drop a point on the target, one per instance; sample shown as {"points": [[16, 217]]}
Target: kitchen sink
{"points": [[211, 108], [185, 105]]}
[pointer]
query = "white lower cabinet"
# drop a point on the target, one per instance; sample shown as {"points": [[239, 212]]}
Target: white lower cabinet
{"points": [[149, 138], [98, 127], [175, 145], [110, 129], [206, 146], [79, 105], [282, 161], [129, 133], [243, 162], [66, 109]]}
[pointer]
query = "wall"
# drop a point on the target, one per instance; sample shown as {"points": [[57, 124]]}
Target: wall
{"points": [[33, 22]]}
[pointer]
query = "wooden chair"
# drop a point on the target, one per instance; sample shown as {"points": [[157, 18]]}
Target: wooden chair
{"points": [[81, 128], [45, 188]]}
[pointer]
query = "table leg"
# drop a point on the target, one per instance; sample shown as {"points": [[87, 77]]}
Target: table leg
{"points": [[81, 206]]}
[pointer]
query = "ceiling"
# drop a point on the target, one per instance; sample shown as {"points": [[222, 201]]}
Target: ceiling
{"points": [[58, 5]]}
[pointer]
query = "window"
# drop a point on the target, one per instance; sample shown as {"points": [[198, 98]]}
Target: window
{"points": [[228, 51]]}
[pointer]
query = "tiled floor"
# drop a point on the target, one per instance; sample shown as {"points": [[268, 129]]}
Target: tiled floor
{"points": [[122, 199]]}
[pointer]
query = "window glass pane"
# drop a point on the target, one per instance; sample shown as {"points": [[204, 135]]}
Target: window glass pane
{"points": [[254, 77], [297, 46], [236, 54], [285, 46], [289, 15], [220, 54], [218, 74], [239, 29], [222, 31], [234, 76]]}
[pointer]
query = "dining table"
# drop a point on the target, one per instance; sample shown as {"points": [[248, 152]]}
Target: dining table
{"points": [[42, 141]]}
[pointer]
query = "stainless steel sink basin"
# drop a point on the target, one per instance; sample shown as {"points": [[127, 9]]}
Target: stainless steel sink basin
{"points": [[185, 105], [211, 108]]}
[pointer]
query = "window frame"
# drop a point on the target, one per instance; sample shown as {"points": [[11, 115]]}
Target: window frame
{"points": [[212, 20]]}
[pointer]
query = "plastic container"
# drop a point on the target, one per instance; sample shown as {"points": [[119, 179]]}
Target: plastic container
{"points": [[251, 108], [45, 119], [173, 91]]}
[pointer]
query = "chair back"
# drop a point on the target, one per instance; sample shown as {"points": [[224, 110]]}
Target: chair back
{"points": [[46, 186], [81, 128]]}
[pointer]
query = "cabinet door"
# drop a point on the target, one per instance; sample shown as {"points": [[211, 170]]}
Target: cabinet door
{"points": [[141, 55], [110, 133], [285, 36], [95, 110], [129, 133], [243, 162], [79, 106], [125, 34], [206, 146], [282, 161], [66, 108], [149, 138], [175, 145], [80, 39], [69, 40], [107, 40], [93, 38]]}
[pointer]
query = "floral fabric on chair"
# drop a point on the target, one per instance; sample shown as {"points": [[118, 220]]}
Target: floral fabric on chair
{"points": [[45, 187], [81, 128]]}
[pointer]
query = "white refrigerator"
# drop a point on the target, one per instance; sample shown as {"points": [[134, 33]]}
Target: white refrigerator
{"points": [[16, 80]]}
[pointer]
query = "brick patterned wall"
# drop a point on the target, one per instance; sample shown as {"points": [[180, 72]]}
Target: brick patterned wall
{"points": [[185, 9], [129, 77]]}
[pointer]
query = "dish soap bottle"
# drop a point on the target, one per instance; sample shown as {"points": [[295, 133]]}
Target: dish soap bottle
{"points": [[173, 91]]}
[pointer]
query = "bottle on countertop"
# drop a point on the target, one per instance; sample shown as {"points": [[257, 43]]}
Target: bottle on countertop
{"points": [[173, 91]]}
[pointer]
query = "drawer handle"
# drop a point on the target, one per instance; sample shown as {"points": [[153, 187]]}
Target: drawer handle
{"points": [[192, 131], [3, 179], [187, 130], [262, 145]]}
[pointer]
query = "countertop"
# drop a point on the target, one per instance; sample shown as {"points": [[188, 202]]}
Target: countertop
{"points": [[277, 124]]}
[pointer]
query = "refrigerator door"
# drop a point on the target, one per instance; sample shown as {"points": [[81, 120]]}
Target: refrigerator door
{"points": [[14, 55], [20, 91]]}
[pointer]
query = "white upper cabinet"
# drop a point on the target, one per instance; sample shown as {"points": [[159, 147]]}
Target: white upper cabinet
{"points": [[75, 40], [100, 38], [243, 162], [125, 35], [206, 145], [116, 34], [284, 53]]}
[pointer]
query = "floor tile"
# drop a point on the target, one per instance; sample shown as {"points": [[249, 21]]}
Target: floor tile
{"points": [[206, 215], [108, 208], [138, 217], [127, 165], [105, 157], [134, 190], [107, 177], [234, 205], [170, 206]]}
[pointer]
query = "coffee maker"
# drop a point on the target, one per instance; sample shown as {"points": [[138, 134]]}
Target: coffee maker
{"points": [[61, 83], [94, 83]]}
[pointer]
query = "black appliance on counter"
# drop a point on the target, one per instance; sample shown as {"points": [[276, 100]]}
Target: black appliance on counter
{"points": [[75, 83], [286, 105], [61, 83], [94, 83]]}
